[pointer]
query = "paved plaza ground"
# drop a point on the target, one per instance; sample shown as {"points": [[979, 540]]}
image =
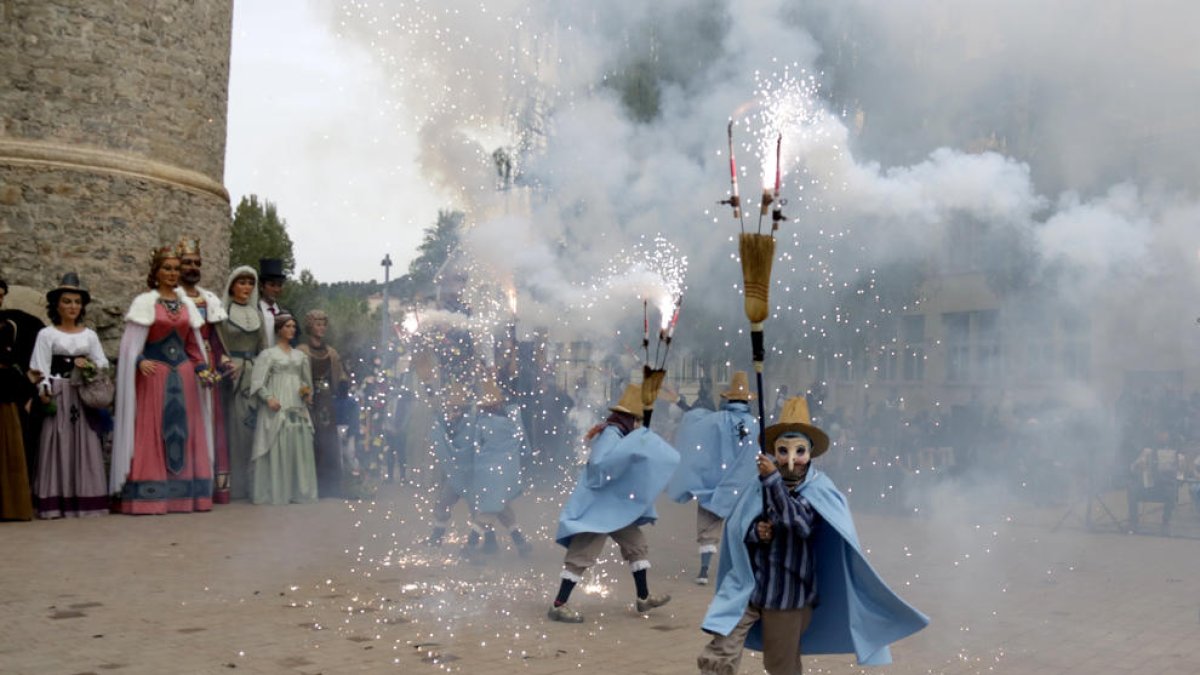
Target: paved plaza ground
{"points": [[341, 587]]}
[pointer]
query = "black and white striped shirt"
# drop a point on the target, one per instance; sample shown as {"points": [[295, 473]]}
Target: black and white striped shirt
{"points": [[784, 573]]}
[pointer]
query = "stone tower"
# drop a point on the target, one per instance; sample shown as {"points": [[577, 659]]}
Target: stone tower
{"points": [[112, 142]]}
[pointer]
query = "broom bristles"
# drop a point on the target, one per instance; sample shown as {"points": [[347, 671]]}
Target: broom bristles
{"points": [[757, 253], [651, 381]]}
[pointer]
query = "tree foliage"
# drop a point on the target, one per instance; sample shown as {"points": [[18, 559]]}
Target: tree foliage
{"points": [[259, 232], [353, 330], [440, 240]]}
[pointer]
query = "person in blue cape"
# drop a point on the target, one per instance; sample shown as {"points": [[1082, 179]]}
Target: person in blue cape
{"points": [[628, 468], [792, 576], [450, 437], [717, 450], [499, 444]]}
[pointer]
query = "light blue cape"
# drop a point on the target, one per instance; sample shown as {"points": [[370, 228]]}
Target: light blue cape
{"points": [[455, 457], [717, 462], [856, 611], [623, 477], [496, 471]]}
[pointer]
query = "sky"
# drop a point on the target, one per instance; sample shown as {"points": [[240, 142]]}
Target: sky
{"points": [[309, 131]]}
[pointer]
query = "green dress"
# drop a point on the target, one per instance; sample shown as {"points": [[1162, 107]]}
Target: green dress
{"points": [[244, 337], [282, 464]]}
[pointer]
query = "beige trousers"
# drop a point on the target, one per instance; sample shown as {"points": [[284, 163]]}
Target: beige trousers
{"points": [[586, 547], [708, 529], [781, 631]]}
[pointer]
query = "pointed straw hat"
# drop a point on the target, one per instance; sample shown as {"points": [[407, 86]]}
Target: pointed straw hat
{"points": [[631, 401], [794, 418], [739, 388], [490, 394], [455, 396]]}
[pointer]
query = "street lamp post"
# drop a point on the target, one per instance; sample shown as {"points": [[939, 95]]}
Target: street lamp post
{"points": [[383, 333]]}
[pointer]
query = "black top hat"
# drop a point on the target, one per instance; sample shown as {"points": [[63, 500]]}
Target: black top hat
{"points": [[70, 283], [271, 269]]}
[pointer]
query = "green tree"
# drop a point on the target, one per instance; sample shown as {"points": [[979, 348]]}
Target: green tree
{"points": [[440, 239], [259, 232]]}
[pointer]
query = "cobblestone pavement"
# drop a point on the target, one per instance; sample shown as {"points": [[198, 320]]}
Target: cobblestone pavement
{"points": [[336, 587]]}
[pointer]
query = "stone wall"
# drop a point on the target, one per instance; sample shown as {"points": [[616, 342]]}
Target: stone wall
{"points": [[112, 142]]}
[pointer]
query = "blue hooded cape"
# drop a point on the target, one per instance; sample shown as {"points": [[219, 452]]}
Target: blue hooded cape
{"points": [[856, 611], [623, 477], [496, 471], [453, 447], [717, 451]]}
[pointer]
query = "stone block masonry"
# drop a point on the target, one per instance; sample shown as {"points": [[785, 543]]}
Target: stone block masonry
{"points": [[112, 141]]}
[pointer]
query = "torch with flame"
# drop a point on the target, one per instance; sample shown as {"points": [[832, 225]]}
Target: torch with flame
{"points": [[757, 251], [653, 374], [735, 200]]}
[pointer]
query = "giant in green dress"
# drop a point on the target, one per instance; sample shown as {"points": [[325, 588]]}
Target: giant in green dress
{"points": [[283, 466]]}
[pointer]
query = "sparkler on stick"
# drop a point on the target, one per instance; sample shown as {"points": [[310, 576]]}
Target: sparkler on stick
{"points": [[757, 251], [735, 200], [653, 374]]}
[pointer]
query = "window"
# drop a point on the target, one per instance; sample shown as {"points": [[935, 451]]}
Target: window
{"points": [[958, 348], [912, 332]]}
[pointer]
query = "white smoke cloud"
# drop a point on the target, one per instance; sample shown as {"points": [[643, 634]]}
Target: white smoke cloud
{"points": [[537, 76]]}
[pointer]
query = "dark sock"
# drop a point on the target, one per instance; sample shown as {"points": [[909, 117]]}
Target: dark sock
{"points": [[517, 537], [564, 592], [639, 580], [473, 539], [489, 542], [705, 559]]}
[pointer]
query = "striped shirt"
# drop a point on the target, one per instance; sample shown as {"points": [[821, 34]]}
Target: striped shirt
{"points": [[784, 574]]}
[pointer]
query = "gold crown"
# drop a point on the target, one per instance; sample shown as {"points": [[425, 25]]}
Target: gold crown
{"points": [[188, 245], [161, 253]]}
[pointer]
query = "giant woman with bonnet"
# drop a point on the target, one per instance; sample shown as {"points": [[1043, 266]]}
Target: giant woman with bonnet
{"points": [[162, 455], [244, 334]]}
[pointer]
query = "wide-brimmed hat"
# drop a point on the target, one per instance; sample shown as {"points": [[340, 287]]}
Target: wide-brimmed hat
{"points": [[271, 269], [794, 418], [739, 388], [70, 284], [631, 401]]}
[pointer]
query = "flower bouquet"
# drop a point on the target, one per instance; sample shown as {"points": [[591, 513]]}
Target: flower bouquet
{"points": [[209, 377], [94, 384]]}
